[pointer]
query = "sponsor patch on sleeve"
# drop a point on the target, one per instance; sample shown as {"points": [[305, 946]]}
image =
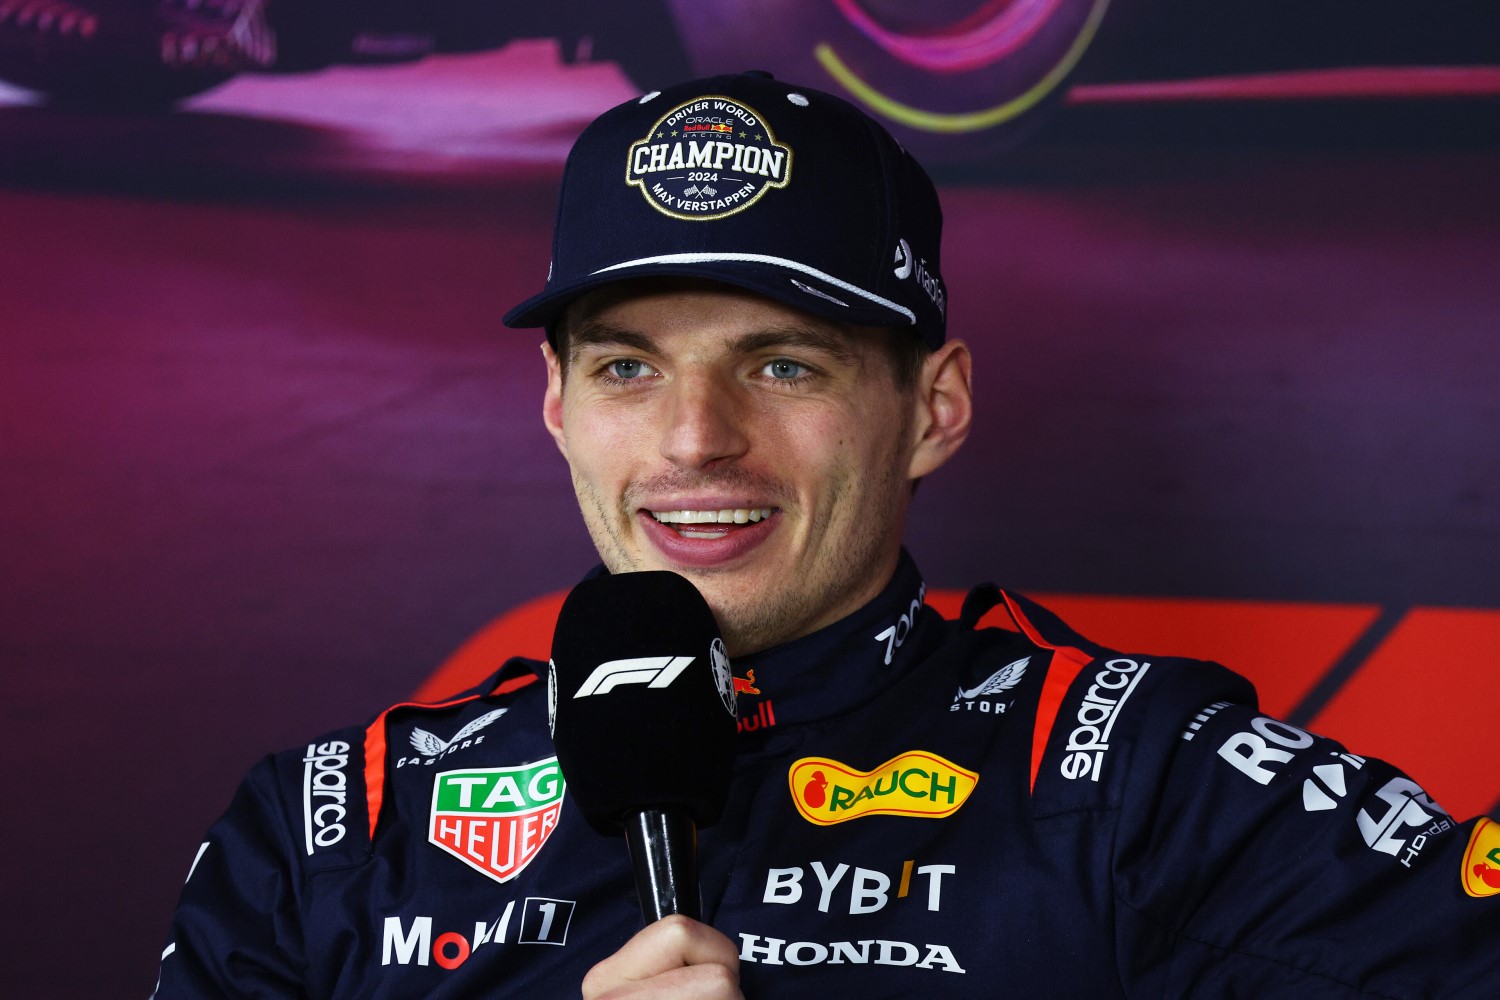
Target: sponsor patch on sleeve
{"points": [[1481, 865]]}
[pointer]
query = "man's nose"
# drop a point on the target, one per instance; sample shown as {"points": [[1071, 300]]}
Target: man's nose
{"points": [[705, 424]]}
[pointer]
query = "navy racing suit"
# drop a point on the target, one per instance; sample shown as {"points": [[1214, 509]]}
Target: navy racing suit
{"points": [[920, 807]]}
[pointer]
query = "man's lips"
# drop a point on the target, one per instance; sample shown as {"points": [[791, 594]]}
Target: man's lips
{"points": [[707, 536], [706, 522]]}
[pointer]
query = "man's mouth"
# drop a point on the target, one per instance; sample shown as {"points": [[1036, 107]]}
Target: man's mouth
{"points": [[710, 523]]}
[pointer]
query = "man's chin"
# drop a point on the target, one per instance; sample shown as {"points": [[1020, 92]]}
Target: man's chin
{"points": [[747, 595], [755, 620]]}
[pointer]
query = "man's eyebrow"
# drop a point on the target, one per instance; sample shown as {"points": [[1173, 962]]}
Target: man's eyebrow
{"points": [[834, 344], [837, 345], [597, 335]]}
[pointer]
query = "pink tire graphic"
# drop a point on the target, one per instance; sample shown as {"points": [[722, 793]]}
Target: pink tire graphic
{"points": [[954, 79]]}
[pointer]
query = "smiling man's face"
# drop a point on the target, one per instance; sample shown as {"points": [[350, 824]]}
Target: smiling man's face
{"points": [[764, 453]]}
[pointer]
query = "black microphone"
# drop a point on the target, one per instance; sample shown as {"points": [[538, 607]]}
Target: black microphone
{"points": [[641, 703]]}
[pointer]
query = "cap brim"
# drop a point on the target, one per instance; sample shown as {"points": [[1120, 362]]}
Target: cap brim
{"points": [[785, 281]]}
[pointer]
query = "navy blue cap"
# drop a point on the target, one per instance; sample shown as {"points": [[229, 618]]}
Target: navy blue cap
{"points": [[782, 190]]}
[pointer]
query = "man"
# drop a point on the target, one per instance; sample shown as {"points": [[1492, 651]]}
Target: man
{"points": [[748, 373]]}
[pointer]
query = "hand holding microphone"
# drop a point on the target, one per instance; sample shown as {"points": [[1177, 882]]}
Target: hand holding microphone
{"points": [[642, 714]]}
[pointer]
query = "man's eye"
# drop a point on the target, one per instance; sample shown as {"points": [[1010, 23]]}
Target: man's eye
{"points": [[783, 369], [627, 369]]}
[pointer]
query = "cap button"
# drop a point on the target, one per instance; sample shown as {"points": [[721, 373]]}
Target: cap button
{"points": [[763, 74]]}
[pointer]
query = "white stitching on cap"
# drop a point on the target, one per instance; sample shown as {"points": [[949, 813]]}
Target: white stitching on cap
{"points": [[810, 290], [798, 99], [756, 258], [649, 97]]}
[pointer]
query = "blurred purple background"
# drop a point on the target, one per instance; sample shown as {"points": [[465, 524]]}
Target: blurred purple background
{"points": [[268, 456]]}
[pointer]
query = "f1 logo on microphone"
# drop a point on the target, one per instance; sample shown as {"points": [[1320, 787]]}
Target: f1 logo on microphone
{"points": [[652, 671]]}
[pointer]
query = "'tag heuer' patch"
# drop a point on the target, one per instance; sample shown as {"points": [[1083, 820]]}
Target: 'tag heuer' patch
{"points": [[1481, 871], [707, 158], [496, 819], [915, 783]]}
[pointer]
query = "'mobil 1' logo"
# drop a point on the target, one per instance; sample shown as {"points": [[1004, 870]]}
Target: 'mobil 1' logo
{"points": [[706, 159], [916, 783]]}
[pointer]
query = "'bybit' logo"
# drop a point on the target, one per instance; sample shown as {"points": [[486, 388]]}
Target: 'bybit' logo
{"points": [[915, 783]]}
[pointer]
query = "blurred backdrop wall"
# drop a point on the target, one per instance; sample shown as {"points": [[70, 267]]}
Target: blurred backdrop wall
{"points": [[270, 462]]}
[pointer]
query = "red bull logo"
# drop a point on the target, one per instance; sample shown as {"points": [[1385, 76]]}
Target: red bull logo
{"points": [[764, 716]]}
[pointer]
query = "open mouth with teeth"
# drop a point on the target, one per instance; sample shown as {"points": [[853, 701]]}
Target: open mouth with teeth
{"points": [[710, 523]]}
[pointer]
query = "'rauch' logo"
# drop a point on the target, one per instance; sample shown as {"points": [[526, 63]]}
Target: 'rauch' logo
{"points": [[496, 819], [706, 159], [914, 784]]}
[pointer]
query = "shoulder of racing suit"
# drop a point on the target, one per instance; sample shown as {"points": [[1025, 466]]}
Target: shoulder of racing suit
{"points": [[334, 788], [1099, 713], [1250, 856]]}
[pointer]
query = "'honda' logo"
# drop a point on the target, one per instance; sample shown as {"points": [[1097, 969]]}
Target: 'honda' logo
{"points": [[1406, 806], [652, 671]]}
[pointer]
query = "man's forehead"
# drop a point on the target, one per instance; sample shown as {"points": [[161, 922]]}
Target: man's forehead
{"points": [[602, 335], [643, 314], [670, 291]]}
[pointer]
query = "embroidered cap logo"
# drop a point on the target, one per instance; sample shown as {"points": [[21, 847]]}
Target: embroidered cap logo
{"points": [[707, 158]]}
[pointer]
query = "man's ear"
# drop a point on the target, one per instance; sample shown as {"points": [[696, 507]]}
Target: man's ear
{"points": [[944, 407], [552, 399]]}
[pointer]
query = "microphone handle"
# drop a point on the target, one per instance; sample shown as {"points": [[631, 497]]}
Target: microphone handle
{"points": [[663, 846]]}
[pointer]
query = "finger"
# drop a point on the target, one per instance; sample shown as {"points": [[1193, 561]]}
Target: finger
{"points": [[694, 982], [675, 942]]}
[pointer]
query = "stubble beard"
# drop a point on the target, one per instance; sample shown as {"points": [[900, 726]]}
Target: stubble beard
{"points": [[843, 576]]}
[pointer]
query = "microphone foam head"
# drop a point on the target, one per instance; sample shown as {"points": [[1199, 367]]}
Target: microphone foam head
{"points": [[641, 699]]}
